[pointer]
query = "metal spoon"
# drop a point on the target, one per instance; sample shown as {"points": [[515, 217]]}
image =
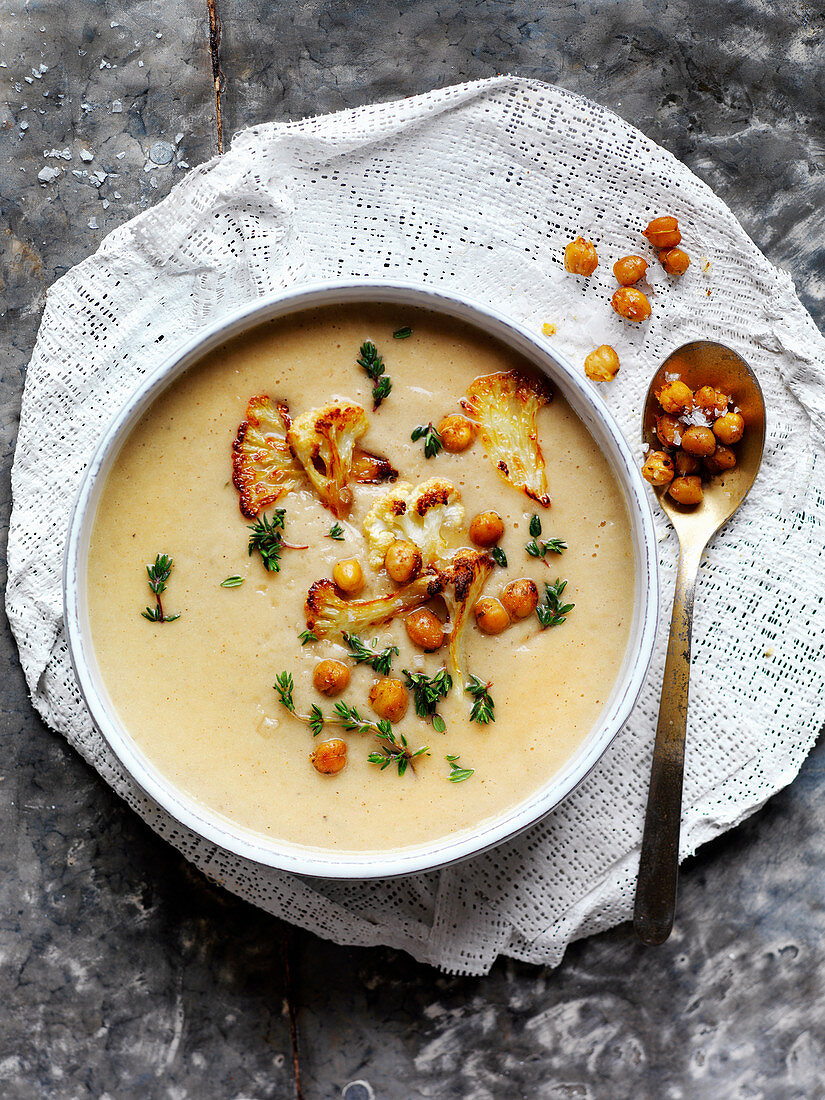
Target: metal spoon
{"points": [[698, 364]]}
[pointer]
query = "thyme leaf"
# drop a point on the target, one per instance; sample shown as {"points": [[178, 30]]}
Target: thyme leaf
{"points": [[535, 526], [158, 575], [402, 333], [431, 437], [379, 662], [373, 364], [232, 582], [483, 705], [499, 557], [553, 612], [457, 773]]}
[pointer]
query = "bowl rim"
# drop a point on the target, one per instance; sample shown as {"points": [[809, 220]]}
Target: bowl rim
{"points": [[353, 864]]}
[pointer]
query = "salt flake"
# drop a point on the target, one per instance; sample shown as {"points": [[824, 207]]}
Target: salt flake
{"points": [[117, 107]]}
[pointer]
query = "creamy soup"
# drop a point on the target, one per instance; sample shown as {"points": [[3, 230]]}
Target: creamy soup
{"points": [[197, 693]]}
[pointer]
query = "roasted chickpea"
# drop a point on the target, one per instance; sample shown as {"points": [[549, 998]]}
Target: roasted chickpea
{"points": [[698, 441], [629, 269], [686, 490], [424, 629], [658, 468], [663, 233], [389, 698], [631, 304], [685, 464], [723, 458], [580, 257], [329, 756], [491, 616], [602, 365], [330, 677], [675, 261], [520, 598], [486, 529], [669, 430], [729, 428], [675, 396], [349, 576], [402, 561], [711, 401], [457, 432]]}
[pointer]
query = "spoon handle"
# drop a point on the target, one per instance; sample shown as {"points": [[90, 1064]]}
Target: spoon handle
{"points": [[659, 864]]}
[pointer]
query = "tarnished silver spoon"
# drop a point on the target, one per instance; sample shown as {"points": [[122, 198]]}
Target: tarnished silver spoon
{"points": [[698, 364]]}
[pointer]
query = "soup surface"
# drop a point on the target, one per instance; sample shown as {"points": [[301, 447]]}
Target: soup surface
{"points": [[197, 693]]}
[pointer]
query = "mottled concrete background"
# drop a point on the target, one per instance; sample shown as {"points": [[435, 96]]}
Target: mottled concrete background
{"points": [[124, 973]]}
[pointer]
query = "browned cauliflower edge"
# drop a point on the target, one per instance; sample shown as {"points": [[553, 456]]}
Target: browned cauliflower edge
{"points": [[505, 405], [263, 466], [469, 574]]}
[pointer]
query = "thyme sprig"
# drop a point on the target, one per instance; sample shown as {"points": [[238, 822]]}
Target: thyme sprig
{"points": [[553, 612], [457, 773], [158, 575], [427, 690], [336, 532], [307, 636], [394, 749], [380, 662], [373, 364], [483, 709], [268, 539], [432, 439]]}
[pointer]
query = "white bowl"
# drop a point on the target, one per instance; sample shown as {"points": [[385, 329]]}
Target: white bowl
{"points": [[361, 865]]}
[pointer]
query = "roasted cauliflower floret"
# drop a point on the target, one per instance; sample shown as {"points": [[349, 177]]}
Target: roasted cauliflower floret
{"points": [[424, 515], [323, 441], [505, 406], [263, 466], [330, 616], [468, 575]]}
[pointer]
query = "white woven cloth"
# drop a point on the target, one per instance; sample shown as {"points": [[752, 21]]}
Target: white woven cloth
{"points": [[476, 188]]}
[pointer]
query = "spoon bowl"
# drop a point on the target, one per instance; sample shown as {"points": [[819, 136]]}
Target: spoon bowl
{"points": [[698, 364], [704, 363]]}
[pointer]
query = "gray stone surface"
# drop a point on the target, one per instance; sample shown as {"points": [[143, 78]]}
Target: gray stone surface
{"points": [[124, 973]]}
